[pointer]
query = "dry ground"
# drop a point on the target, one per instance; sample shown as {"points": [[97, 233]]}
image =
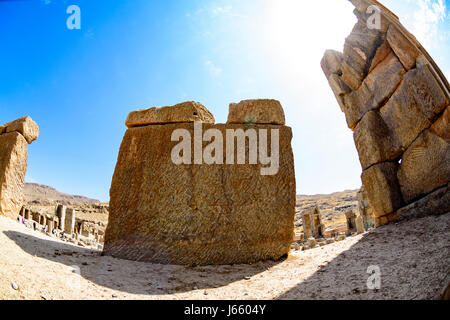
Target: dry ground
{"points": [[413, 256]]}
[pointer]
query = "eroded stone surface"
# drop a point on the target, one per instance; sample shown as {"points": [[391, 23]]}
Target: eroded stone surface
{"points": [[425, 166], [331, 62], [14, 138], [374, 140], [405, 50], [261, 111], [180, 113], [377, 87], [25, 126], [13, 166], [435, 203], [382, 187], [396, 101], [198, 214]]}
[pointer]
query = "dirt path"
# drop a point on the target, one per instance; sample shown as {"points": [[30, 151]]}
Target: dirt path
{"points": [[413, 257]]}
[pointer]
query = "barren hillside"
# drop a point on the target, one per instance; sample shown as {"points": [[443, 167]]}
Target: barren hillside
{"points": [[41, 195]]}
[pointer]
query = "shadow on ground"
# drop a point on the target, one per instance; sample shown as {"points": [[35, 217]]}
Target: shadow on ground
{"points": [[135, 277], [413, 258]]}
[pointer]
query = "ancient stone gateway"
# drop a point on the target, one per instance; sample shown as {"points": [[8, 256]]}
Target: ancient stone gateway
{"points": [[396, 100], [14, 139], [226, 211]]}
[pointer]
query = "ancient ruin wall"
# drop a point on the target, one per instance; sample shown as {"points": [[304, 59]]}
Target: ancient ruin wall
{"points": [[199, 214], [14, 139], [396, 100]]}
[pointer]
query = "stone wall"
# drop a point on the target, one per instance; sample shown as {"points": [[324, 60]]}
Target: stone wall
{"points": [[200, 214], [396, 100], [14, 139]]}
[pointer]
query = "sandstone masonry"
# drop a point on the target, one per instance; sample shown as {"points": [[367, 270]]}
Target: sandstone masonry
{"points": [[396, 100], [14, 139], [200, 214]]}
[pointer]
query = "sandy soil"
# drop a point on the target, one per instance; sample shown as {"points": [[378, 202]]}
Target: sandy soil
{"points": [[414, 260]]}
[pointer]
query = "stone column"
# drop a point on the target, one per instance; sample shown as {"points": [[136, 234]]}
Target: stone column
{"points": [[50, 225], [14, 139], [69, 222], [61, 214], [307, 230], [359, 224]]}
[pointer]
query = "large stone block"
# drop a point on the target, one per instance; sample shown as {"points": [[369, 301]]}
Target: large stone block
{"points": [[25, 126], [433, 204], [198, 214], [374, 140], [380, 182], [422, 89], [425, 166], [441, 126], [331, 62], [180, 113], [340, 89], [359, 49], [13, 167], [403, 117], [377, 87], [261, 111], [404, 48]]}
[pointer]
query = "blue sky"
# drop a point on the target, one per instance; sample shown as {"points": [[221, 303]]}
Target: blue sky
{"points": [[79, 85]]}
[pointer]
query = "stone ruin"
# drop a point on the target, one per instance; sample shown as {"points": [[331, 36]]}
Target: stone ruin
{"points": [[396, 100], [198, 213], [14, 139], [316, 233], [64, 223], [365, 209]]}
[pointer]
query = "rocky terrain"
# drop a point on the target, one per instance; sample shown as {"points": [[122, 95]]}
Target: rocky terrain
{"points": [[412, 256], [41, 195]]}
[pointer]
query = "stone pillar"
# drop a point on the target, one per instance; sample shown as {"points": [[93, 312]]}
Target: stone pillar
{"points": [[50, 225], [359, 224], [69, 222], [307, 223], [14, 139], [365, 210], [36, 217], [61, 214], [317, 225]]}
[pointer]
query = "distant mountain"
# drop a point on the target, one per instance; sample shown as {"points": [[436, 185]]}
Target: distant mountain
{"points": [[41, 195]]}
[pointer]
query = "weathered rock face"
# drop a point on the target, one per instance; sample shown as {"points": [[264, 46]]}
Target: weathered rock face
{"points": [[14, 138], [199, 214], [183, 112], [256, 112], [396, 99]]}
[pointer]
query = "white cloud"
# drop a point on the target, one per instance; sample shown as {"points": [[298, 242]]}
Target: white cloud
{"points": [[221, 10], [213, 69], [427, 18]]}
